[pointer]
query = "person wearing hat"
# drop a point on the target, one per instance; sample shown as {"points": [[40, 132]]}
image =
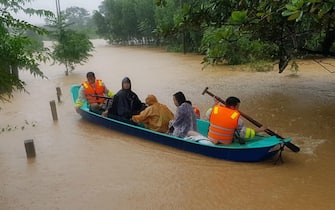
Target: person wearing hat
{"points": [[125, 103], [155, 117], [89, 91]]}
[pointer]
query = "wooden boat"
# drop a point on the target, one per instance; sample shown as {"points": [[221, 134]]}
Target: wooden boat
{"points": [[258, 149]]}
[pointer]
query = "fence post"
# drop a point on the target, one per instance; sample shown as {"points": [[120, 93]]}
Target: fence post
{"points": [[30, 148], [53, 110], [59, 93]]}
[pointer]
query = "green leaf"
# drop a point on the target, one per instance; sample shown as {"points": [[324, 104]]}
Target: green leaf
{"points": [[260, 14], [291, 7], [314, 1], [289, 13], [298, 3], [294, 16], [239, 15], [325, 8], [300, 16]]}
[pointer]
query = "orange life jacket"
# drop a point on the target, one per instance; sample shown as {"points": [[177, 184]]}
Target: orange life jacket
{"points": [[223, 122], [99, 89], [196, 111]]}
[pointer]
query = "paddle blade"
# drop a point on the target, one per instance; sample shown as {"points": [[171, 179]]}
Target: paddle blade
{"points": [[292, 147]]}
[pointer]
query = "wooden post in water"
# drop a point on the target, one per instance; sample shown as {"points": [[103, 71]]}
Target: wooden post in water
{"points": [[30, 148], [53, 110], [59, 93]]}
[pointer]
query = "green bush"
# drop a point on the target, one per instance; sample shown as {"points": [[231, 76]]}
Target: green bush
{"points": [[227, 45]]}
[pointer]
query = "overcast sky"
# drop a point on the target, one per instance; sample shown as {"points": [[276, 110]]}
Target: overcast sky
{"points": [[89, 5]]}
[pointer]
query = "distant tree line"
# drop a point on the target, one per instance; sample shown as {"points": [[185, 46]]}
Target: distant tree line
{"points": [[230, 31], [77, 19]]}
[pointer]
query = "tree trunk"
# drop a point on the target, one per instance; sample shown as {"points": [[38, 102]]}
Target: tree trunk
{"points": [[329, 39], [67, 70]]}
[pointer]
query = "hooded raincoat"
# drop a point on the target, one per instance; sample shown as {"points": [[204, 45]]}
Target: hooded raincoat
{"points": [[125, 103], [156, 116]]}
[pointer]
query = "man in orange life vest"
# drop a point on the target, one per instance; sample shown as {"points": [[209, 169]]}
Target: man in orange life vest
{"points": [[92, 87], [225, 122]]}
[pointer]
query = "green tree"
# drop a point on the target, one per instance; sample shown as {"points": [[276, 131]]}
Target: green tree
{"points": [[318, 20], [145, 21], [232, 31], [292, 29], [110, 21], [76, 17], [80, 20], [17, 51], [103, 27], [126, 21], [223, 34], [71, 49]]}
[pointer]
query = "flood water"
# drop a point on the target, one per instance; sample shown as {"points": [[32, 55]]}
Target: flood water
{"points": [[80, 165]]}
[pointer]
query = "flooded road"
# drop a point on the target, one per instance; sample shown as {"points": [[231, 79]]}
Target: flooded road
{"points": [[80, 165]]}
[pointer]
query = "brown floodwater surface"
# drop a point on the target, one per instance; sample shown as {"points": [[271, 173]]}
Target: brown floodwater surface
{"points": [[80, 165]]}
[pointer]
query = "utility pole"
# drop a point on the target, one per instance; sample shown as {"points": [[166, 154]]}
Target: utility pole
{"points": [[183, 32], [57, 8], [58, 12]]}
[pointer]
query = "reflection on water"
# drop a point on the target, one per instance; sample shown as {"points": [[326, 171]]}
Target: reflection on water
{"points": [[80, 165]]}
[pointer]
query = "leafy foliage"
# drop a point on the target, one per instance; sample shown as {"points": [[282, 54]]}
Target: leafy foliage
{"points": [[17, 51], [72, 48], [318, 20], [80, 20], [226, 44], [126, 21], [232, 31]]}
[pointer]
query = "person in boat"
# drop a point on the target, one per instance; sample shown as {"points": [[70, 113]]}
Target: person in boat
{"points": [[195, 109], [185, 119], [155, 117], [125, 103], [89, 90], [226, 123]]}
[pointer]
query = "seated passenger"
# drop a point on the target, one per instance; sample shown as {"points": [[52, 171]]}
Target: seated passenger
{"points": [[226, 123], [87, 91], [185, 119], [125, 103], [195, 109], [155, 117]]}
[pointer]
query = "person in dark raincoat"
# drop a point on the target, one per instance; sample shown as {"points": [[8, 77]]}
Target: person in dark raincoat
{"points": [[125, 103]]}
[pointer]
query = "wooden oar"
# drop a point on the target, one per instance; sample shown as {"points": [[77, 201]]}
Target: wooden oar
{"points": [[105, 97], [290, 145]]}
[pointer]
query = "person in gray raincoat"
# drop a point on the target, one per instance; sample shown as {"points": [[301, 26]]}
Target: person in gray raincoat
{"points": [[185, 119]]}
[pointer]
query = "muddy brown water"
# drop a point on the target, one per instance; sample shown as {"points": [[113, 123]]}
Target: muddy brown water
{"points": [[80, 165]]}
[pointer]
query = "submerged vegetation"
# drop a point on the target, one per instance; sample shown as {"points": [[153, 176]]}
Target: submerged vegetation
{"points": [[26, 124]]}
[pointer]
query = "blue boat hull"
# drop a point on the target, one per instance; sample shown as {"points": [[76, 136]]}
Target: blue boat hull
{"points": [[257, 150]]}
